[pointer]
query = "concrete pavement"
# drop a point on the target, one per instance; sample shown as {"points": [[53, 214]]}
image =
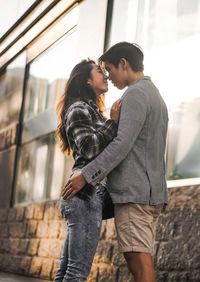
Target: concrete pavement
{"points": [[8, 277]]}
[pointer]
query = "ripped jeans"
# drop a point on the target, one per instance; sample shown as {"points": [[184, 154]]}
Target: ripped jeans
{"points": [[84, 219]]}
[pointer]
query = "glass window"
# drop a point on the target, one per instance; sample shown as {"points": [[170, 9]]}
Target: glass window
{"points": [[42, 170], [169, 33], [61, 170], [48, 74], [11, 88], [11, 11]]}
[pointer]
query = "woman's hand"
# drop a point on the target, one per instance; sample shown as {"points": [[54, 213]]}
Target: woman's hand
{"points": [[115, 110]]}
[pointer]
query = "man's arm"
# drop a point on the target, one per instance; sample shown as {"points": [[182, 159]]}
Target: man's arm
{"points": [[132, 117]]}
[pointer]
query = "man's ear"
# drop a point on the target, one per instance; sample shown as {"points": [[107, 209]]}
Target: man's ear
{"points": [[123, 63]]}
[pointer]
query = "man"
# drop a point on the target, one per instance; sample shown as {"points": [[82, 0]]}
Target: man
{"points": [[133, 161]]}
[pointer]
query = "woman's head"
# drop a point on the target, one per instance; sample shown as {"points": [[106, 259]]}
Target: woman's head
{"points": [[86, 82]]}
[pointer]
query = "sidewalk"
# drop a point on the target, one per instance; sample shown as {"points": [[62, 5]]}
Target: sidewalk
{"points": [[8, 277]]}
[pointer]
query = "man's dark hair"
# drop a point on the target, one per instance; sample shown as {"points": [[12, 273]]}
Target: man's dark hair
{"points": [[131, 52]]}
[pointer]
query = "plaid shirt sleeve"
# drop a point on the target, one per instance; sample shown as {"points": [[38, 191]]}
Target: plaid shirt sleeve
{"points": [[89, 141]]}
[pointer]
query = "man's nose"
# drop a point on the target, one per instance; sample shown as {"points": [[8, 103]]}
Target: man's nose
{"points": [[106, 76]]}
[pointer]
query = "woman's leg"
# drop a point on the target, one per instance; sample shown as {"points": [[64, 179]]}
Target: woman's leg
{"points": [[63, 262], [84, 224]]}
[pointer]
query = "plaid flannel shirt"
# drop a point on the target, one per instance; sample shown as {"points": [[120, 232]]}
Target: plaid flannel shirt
{"points": [[88, 131]]}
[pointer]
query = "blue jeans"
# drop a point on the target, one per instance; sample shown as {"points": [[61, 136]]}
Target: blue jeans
{"points": [[84, 219]]}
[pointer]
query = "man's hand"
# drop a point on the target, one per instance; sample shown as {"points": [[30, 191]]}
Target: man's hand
{"points": [[74, 185], [115, 110]]}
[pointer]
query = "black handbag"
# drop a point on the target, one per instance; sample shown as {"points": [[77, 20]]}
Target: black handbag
{"points": [[107, 204]]}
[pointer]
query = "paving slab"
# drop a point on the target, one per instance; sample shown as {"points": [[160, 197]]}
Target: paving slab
{"points": [[9, 277]]}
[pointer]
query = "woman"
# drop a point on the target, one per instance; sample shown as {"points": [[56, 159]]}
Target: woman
{"points": [[83, 129]]}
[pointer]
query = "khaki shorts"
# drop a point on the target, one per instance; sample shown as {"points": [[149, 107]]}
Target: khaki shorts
{"points": [[135, 225]]}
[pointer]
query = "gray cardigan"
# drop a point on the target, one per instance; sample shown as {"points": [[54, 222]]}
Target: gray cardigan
{"points": [[134, 160]]}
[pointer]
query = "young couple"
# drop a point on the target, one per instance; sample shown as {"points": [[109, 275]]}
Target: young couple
{"points": [[128, 148]]}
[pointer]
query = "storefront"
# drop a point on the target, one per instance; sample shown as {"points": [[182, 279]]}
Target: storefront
{"points": [[40, 43]]}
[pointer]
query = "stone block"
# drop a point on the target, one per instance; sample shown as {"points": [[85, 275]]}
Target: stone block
{"points": [[107, 273], [12, 263], [124, 275], [50, 210], [3, 214], [36, 265], [110, 230], [3, 230], [4, 245], [39, 211], [103, 229], [55, 247], [20, 211], [13, 245], [57, 214], [42, 229], [176, 276], [47, 268], [29, 212], [162, 276], [11, 214], [104, 250], [54, 229], [25, 265], [56, 263], [63, 229], [94, 273], [194, 275], [33, 247], [31, 228], [117, 257], [23, 246], [17, 229], [44, 248], [1, 261]]}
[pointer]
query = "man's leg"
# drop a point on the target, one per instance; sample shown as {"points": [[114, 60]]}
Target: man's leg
{"points": [[141, 266], [135, 225]]}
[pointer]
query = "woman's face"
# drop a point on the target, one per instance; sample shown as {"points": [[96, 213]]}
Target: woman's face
{"points": [[98, 80]]}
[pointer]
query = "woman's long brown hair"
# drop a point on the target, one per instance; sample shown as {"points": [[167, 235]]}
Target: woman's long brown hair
{"points": [[77, 88]]}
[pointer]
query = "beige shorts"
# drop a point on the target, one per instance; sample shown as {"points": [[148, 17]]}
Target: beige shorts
{"points": [[135, 225]]}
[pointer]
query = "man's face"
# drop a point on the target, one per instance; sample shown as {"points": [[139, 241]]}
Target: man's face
{"points": [[115, 74]]}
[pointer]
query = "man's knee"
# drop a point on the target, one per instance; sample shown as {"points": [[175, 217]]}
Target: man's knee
{"points": [[142, 260]]}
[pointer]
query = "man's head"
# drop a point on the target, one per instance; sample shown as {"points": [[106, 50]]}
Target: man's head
{"points": [[122, 61]]}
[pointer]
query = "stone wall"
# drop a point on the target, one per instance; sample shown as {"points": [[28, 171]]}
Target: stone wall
{"points": [[31, 238]]}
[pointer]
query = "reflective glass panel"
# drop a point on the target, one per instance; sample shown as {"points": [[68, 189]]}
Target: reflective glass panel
{"points": [[61, 170], [11, 11], [11, 90], [169, 33], [32, 170], [42, 170], [48, 74]]}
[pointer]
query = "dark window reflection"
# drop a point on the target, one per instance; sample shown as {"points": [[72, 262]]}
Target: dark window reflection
{"points": [[48, 75], [11, 87], [42, 170]]}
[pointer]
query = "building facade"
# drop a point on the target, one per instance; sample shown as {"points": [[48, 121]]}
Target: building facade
{"points": [[40, 43]]}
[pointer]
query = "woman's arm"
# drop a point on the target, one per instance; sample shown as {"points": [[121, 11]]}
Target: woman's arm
{"points": [[81, 129]]}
